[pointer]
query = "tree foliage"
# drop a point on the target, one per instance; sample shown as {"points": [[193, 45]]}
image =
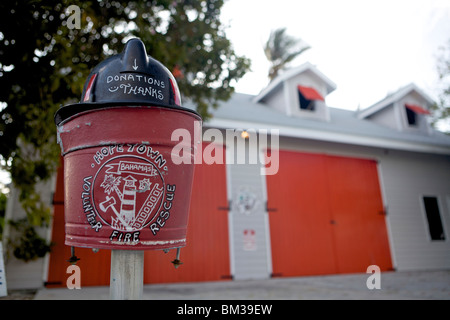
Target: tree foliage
{"points": [[44, 63], [280, 49], [441, 110], [3, 200]]}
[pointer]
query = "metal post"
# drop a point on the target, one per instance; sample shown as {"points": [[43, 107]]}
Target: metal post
{"points": [[127, 275]]}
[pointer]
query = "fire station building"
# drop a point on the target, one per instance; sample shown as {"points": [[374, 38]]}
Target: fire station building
{"points": [[351, 189]]}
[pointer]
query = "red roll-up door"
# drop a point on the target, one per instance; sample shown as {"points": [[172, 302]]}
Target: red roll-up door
{"points": [[206, 256], [327, 215], [94, 267]]}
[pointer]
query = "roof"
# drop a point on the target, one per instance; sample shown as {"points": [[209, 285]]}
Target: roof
{"points": [[278, 81], [241, 111], [388, 100]]}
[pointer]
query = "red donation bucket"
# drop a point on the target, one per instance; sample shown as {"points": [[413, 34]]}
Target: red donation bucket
{"points": [[123, 189]]}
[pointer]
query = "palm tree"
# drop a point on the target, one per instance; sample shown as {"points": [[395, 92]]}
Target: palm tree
{"points": [[281, 49]]}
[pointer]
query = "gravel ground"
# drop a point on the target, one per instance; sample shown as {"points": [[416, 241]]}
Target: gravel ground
{"points": [[20, 295], [412, 285]]}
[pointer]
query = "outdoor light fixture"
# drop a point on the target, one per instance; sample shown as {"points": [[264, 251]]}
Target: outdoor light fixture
{"points": [[245, 134]]}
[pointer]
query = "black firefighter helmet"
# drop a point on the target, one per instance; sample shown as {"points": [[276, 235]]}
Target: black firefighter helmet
{"points": [[131, 78]]}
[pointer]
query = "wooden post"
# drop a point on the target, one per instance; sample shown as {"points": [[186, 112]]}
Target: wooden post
{"points": [[127, 275]]}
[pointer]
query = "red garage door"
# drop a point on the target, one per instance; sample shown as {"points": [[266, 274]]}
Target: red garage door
{"points": [[327, 215], [95, 267], [205, 258]]}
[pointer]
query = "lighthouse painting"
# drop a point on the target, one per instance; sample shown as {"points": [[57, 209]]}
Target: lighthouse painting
{"points": [[128, 205], [132, 193]]}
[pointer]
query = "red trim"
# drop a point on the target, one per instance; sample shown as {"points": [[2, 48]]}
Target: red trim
{"points": [[310, 93], [89, 88], [417, 109], [175, 94]]}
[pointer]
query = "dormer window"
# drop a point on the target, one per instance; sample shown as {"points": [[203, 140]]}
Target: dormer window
{"points": [[412, 111], [299, 92], [404, 110], [411, 116], [308, 97]]}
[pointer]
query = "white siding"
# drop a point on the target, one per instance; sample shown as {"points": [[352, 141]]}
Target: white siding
{"points": [[250, 258], [421, 120], [386, 117], [407, 178], [277, 100], [32, 274], [307, 79]]}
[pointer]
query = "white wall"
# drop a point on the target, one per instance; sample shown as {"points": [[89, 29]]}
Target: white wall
{"points": [[307, 79], [406, 179], [21, 274], [248, 221], [386, 117]]}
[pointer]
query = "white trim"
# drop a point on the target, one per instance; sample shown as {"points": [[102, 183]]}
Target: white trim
{"points": [[399, 121], [387, 220], [395, 97], [426, 222], [331, 86], [231, 245], [230, 215], [331, 136], [266, 218], [268, 244], [286, 99]]}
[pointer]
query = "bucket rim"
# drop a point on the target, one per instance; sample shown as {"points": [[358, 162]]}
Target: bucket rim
{"points": [[70, 110]]}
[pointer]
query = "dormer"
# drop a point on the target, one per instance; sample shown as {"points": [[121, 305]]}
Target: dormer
{"points": [[405, 110], [299, 92]]}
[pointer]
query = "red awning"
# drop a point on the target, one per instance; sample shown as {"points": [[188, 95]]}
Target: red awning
{"points": [[417, 109], [310, 93]]}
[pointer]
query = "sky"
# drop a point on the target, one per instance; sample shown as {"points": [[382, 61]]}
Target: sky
{"points": [[367, 48]]}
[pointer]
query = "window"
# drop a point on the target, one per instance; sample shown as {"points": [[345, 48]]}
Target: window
{"points": [[412, 111], [306, 104], [434, 218], [412, 117], [307, 97]]}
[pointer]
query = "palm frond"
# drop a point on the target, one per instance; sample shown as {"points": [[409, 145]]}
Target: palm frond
{"points": [[281, 49]]}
